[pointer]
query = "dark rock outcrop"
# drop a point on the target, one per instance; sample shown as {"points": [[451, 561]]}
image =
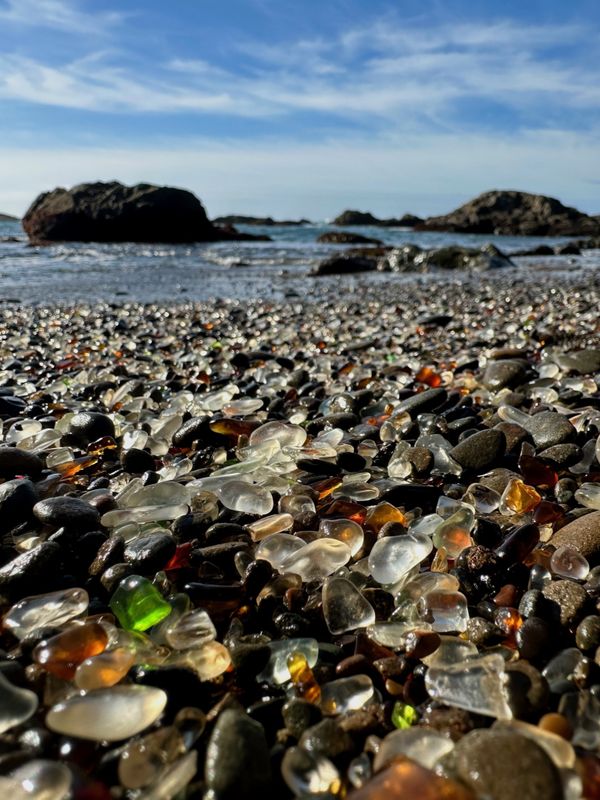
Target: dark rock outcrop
{"points": [[345, 265], [411, 258], [112, 212], [240, 219], [344, 237], [517, 214], [352, 217]]}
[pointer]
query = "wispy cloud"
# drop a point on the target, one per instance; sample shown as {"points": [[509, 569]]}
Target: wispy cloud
{"points": [[388, 72], [60, 15]]}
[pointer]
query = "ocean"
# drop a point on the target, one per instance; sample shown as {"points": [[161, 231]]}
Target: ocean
{"points": [[74, 272]]}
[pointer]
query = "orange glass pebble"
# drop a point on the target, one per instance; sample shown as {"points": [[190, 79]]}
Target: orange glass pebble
{"points": [[105, 669], [233, 427], [547, 512], [382, 513], [428, 376], [61, 654], [508, 620], [520, 498], [556, 723], [536, 473], [345, 508], [327, 487], [303, 678], [69, 468], [588, 768], [404, 779], [101, 446]]}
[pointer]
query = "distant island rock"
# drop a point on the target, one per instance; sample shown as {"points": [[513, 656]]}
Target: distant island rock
{"points": [[240, 219], [8, 218], [515, 213], [351, 217], [112, 212], [344, 237]]}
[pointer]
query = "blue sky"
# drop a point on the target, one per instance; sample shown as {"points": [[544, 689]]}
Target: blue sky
{"points": [[303, 108]]}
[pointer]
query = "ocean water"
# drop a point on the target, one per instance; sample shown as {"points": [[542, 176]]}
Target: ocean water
{"points": [[73, 272]]}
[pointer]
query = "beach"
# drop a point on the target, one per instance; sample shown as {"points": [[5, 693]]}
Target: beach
{"points": [[276, 539]]}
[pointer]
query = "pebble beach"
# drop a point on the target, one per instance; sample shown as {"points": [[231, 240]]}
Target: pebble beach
{"points": [[330, 544]]}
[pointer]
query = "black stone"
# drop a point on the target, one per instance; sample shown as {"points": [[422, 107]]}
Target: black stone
{"points": [[14, 461], [150, 553], [32, 572], [137, 461], [17, 499], [480, 451], [67, 512], [87, 426]]}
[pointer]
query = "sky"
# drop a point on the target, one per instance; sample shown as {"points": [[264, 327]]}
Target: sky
{"points": [[303, 108]]}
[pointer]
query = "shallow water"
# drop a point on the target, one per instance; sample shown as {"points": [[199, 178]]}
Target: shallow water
{"points": [[152, 273]]}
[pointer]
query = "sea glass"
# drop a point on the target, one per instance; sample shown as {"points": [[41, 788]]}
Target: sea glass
{"points": [[346, 694], [277, 670], [45, 611], [16, 705], [477, 685], [309, 774], [344, 607], [404, 716], [193, 629], [393, 556], [318, 559], [588, 495], [61, 654], [277, 548], [208, 662], [42, 779], [246, 497], [569, 563], [346, 531], [423, 745], [446, 611], [142, 760], [454, 533], [275, 523], [519, 498], [105, 669], [303, 678], [173, 778], [108, 714], [137, 604]]}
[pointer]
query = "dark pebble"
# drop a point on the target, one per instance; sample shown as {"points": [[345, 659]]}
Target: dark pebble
{"points": [[549, 428], [237, 758], [137, 461], [502, 765], [583, 534], [68, 512], [505, 372], [17, 499], [31, 572], [569, 601], [149, 553], [587, 635], [14, 461], [87, 426], [299, 714]]}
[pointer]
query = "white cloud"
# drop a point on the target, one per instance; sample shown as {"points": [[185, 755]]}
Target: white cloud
{"points": [[390, 73], [425, 174], [60, 15]]}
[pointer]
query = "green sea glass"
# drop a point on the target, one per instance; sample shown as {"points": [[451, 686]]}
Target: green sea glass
{"points": [[138, 605]]}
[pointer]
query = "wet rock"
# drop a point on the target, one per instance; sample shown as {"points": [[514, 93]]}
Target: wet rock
{"points": [[503, 765], [549, 428], [31, 572], [583, 534], [515, 214], [112, 212], [345, 265], [17, 498], [68, 512], [569, 601], [422, 402], [344, 237], [87, 426], [150, 553], [237, 758], [480, 451], [15, 461], [505, 372], [326, 738], [562, 455], [581, 362]]}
